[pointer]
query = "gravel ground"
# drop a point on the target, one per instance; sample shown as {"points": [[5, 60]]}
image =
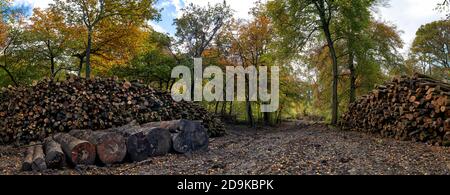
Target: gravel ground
{"points": [[292, 149]]}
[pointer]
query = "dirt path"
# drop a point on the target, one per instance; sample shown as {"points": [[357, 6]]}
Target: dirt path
{"points": [[289, 149]]}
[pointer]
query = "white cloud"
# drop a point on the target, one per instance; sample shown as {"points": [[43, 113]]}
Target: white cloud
{"points": [[409, 15], [34, 3], [178, 4], [241, 7], [157, 27]]}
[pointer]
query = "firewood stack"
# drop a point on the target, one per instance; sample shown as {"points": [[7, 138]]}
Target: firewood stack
{"points": [[408, 108], [49, 107]]}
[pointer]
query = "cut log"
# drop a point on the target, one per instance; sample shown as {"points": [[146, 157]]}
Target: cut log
{"points": [[137, 145], [110, 146], [173, 126], [447, 125], [191, 139], [39, 159], [446, 139], [160, 141], [187, 136], [28, 161], [79, 152], [54, 155]]}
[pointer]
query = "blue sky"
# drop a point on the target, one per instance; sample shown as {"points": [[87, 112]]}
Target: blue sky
{"points": [[407, 15], [169, 13]]}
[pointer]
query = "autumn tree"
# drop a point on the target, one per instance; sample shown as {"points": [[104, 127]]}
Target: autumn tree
{"points": [[251, 45], [13, 27], [91, 13], [4, 39], [432, 46], [198, 26], [49, 39], [353, 22], [384, 47], [154, 63], [297, 21], [3, 26]]}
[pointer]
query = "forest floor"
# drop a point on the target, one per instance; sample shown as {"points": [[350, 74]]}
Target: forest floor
{"points": [[293, 148]]}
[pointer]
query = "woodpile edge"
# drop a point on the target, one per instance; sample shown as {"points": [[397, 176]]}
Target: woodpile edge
{"points": [[413, 108]]}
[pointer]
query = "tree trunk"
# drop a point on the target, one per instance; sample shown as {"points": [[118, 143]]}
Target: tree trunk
{"points": [[351, 67], [168, 85], [79, 152], [217, 107], [430, 69], [171, 84], [230, 112], [266, 117], [54, 155], [334, 101], [80, 65], [224, 108], [280, 112], [248, 105], [325, 23], [10, 75], [52, 60], [52, 67], [88, 54], [251, 120]]}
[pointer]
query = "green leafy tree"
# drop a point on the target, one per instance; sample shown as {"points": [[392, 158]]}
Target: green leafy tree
{"points": [[198, 26], [154, 64], [431, 47], [49, 39], [299, 21], [11, 43]]}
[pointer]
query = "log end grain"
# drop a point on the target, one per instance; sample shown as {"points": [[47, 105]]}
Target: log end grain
{"points": [[138, 148], [83, 154], [54, 155], [160, 141], [111, 148]]}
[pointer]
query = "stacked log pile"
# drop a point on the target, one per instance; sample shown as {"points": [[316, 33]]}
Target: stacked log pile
{"points": [[129, 143], [407, 108], [48, 107]]}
